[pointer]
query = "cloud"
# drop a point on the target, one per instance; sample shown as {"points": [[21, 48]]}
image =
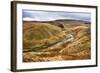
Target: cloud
{"points": [[29, 15]]}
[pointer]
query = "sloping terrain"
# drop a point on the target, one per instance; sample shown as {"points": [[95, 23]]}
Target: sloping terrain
{"points": [[78, 48], [40, 34]]}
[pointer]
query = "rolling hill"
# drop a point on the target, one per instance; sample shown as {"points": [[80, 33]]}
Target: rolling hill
{"points": [[39, 34]]}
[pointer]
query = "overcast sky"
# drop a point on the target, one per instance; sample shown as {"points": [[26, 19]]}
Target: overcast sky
{"points": [[31, 15]]}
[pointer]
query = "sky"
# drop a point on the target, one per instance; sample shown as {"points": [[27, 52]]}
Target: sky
{"points": [[33, 15]]}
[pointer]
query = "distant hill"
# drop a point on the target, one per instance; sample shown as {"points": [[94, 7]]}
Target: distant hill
{"points": [[62, 22]]}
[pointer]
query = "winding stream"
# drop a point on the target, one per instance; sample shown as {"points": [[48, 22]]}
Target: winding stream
{"points": [[68, 38]]}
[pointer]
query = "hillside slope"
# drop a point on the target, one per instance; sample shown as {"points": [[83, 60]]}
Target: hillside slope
{"points": [[39, 34], [78, 49]]}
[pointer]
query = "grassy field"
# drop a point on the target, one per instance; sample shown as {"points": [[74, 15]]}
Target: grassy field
{"points": [[39, 35]]}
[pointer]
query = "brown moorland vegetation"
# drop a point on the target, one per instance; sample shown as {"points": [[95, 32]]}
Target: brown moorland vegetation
{"points": [[38, 37]]}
